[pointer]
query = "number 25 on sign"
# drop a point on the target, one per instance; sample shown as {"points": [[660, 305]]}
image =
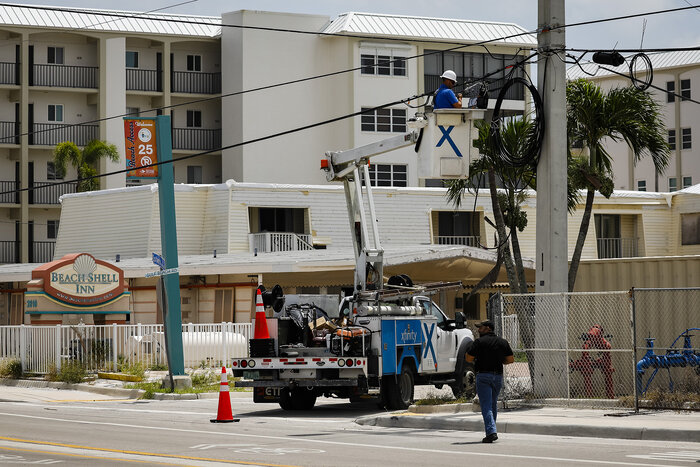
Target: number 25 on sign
{"points": [[141, 150]]}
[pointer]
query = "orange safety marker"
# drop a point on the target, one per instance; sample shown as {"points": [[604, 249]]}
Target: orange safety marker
{"points": [[261, 331], [224, 414]]}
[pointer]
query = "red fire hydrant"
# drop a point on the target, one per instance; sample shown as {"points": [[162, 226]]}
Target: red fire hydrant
{"points": [[594, 339]]}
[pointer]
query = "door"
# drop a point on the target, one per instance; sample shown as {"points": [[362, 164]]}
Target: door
{"points": [[30, 182], [16, 309], [444, 341], [223, 306]]}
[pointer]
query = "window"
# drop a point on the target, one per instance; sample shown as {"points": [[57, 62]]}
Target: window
{"points": [[455, 228], [672, 140], [54, 55], [132, 59], [194, 63], [55, 112], [686, 138], [685, 89], [672, 184], [387, 175], [194, 174], [641, 185], [607, 230], [690, 229], [687, 182], [387, 120], [278, 220], [385, 63], [52, 172], [51, 229], [194, 118], [132, 111], [670, 91]]}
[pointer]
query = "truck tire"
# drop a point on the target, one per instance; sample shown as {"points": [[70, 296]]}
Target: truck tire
{"points": [[400, 390], [465, 381], [286, 401], [303, 398]]}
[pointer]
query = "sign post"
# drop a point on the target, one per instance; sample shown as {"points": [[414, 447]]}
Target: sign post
{"points": [[148, 141]]}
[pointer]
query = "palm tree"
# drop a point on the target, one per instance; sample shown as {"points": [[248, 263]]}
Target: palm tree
{"points": [[85, 162], [620, 114]]}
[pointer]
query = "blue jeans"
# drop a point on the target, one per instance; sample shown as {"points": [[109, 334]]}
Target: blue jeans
{"points": [[488, 386]]}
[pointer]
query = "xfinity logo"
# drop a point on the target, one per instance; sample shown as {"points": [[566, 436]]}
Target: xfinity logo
{"points": [[407, 335]]}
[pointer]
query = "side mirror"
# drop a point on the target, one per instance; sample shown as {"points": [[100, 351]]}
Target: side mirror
{"points": [[460, 319]]}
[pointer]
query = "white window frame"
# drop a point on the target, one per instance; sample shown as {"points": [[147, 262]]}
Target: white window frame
{"points": [[55, 55], [385, 51], [687, 182], [672, 184], [196, 67], [685, 91], [686, 138], [397, 178], [672, 139], [641, 185], [56, 107], [136, 56], [396, 122]]}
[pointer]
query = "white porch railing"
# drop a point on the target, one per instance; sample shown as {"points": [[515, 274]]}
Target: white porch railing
{"points": [[467, 240], [107, 347], [269, 242]]}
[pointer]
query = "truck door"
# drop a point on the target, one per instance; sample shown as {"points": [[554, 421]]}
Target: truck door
{"points": [[445, 346]]}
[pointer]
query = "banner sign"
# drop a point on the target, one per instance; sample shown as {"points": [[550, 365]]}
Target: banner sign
{"points": [[140, 144]]}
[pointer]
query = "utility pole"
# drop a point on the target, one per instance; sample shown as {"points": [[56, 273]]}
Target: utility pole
{"points": [[551, 242]]}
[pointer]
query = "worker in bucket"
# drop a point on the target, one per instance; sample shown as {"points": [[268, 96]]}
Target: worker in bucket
{"points": [[445, 97], [490, 353]]}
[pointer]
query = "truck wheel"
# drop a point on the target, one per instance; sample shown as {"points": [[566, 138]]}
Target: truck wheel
{"points": [[400, 392], [465, 382], [303, 398], [286, 401]]}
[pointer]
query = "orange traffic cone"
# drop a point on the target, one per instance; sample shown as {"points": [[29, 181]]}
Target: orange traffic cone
{"points": [[261, 331], [224, 414]]}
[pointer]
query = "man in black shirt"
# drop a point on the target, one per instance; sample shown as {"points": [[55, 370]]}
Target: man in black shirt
{"points": [[491, 353]]}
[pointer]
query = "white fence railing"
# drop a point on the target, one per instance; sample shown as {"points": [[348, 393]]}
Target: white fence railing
{"points": [[111, 347], [269, 242]]}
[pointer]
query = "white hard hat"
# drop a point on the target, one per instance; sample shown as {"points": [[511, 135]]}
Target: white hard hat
{"points": [[449, 74]]}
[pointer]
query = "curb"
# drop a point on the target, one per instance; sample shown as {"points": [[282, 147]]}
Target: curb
{"points": [[409, 420], [23, 383]]}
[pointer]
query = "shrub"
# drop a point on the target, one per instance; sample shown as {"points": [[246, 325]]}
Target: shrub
{"points": [[72, 371], [11, 368], [136, 369]]}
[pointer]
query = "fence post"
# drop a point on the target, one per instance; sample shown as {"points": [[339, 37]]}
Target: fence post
{"points": [[224, 330], [58, 347], [115, 331], [634, 351], [23, 347]]}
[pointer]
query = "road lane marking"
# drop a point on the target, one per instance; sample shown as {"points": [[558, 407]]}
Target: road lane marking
{"points": [[338, 443], [121, 451], [82, 456]]}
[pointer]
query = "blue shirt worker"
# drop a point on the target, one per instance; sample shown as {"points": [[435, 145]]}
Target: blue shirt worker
{"points": [[445, 97], [491, 353]]}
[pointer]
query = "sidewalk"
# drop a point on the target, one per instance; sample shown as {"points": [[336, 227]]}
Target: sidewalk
{"points": [[555, 421]]}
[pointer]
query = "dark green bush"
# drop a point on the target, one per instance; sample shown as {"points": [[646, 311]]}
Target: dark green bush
{"points": [[11, 368]]}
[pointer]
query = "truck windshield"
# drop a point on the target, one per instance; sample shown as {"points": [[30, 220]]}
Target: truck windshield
{"points": [[430, 308]]}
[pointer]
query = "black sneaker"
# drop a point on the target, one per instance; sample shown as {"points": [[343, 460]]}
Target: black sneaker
{"points": [[490, 438]]}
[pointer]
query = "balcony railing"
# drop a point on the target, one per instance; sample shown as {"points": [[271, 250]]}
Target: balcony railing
{"points": [[270, 242], [9, 132], [41, 252], [8, 73], [50, 134], [196, 138], [9, 251], [144, 80], [466, 240], [195, 82], [65, 76], [515, 92], [10, 194], [48, 193], [617, 248]]}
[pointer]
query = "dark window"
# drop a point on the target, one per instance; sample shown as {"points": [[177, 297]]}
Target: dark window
{"points": [[455, 224], [671, 89], [367, 62], [672, 140], [281, 220], [132, 111], [686, 140], [132, 59], [51, 229], [690, 229], [54, 55], [641, 185], [685, 89], [471, 307], [52, 172], [194, 63], [55, 113], [672, 184], [194, 174], [399, 66], [384, 65], [385, 120], [387, 175], [687, 182], [194, 118]]}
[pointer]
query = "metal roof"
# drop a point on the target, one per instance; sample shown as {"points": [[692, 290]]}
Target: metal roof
{"points": [[110, 21], [417, 28], [659, 61]]}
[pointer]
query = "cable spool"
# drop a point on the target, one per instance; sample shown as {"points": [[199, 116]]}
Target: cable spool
{"points": [[637, 83]]}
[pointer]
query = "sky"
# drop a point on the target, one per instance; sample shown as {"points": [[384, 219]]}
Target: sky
{"points": [[679, 29]]}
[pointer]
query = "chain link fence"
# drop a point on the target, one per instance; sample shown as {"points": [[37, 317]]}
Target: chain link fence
{"points": [[594, 349]]}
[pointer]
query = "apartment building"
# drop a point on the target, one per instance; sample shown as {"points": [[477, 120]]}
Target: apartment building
{"points": [[62, 67], [678, 76]]}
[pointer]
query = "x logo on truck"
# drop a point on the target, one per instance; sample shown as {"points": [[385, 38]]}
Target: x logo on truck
{"points": [[446, 137], [429, 341]]}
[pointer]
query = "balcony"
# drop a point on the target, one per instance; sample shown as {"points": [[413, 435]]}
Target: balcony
{"points": [[270, 242], [9, 195], [48, 192], [9, 73], [144, 80], [466, 240], [195, 82], [64, 76], [9, 251], [41, 252], [516, 93], [617, 248], [9, 132], [50, 134], [196, 139]]}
